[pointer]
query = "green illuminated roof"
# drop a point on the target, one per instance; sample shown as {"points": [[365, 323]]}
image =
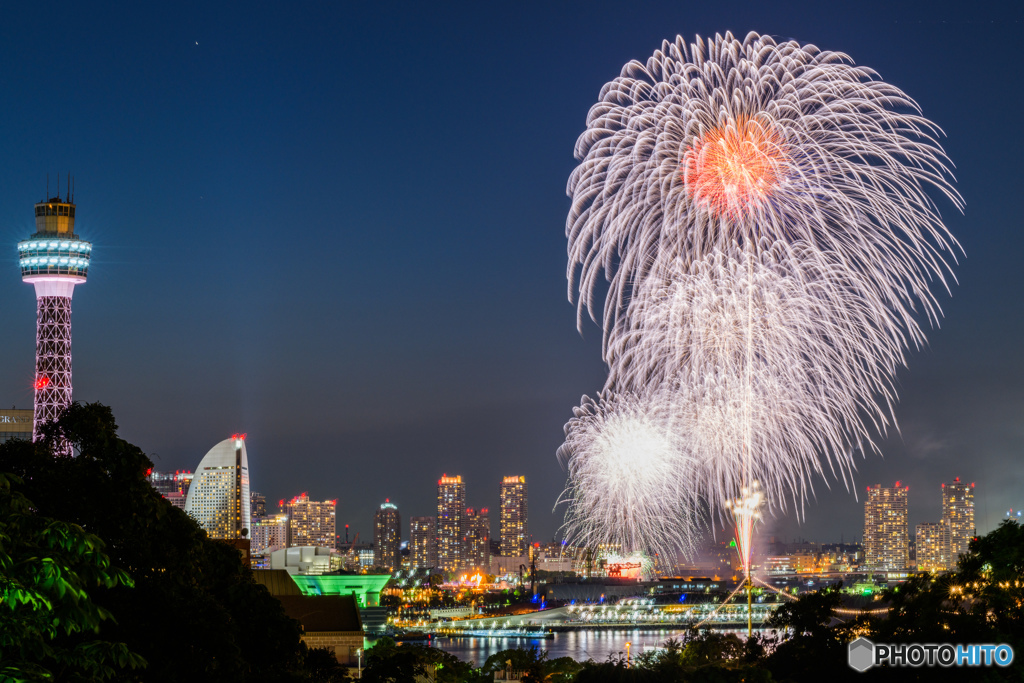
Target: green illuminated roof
{"points": [[365, 587]]}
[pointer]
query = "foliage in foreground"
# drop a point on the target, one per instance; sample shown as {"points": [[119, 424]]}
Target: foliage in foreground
{"points": [[48, 621], [195, 612]]}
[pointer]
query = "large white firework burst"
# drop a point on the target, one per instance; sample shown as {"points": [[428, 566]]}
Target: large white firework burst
{"points": [[621, 452], [762, 213]]}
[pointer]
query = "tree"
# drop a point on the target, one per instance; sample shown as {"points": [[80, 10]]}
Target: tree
{"points": [[47, 570], [195, 612], [321, 666], [387, 662]]}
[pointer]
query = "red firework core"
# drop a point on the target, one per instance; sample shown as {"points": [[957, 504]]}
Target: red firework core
{"points": [[732, 168]]}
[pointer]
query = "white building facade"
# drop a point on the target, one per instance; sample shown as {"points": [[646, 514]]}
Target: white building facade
{"points": [[219, 495]]}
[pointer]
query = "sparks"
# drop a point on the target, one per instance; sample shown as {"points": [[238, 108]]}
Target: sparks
{"points": [[732, 169], [765, 214]]}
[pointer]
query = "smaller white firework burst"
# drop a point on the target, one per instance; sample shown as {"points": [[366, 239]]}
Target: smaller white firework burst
{"points": [[630, 485]]}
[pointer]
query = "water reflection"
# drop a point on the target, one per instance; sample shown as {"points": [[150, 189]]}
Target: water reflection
{"points": [[581, 645]]}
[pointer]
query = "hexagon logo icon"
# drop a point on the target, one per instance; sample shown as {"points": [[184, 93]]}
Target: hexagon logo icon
{"points": [[861, 654]]}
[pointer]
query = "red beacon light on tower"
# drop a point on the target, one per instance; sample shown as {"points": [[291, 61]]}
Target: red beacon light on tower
{"points": [[42, 382], [238, 437]]}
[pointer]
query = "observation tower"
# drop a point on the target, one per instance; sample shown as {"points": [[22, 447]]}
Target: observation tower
{"points": [[53, 260]]}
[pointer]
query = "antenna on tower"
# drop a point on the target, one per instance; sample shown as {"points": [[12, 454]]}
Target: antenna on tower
{"points": [[72, 190], [47, 197]]}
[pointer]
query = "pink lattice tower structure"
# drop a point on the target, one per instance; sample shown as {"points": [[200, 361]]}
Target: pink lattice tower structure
{"points": [[53, 260]]}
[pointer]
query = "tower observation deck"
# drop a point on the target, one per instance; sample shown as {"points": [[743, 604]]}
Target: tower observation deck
{"points": [[53, 260]]}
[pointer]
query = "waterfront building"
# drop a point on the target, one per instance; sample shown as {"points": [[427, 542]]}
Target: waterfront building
{"points": [[423, 542], [219, 496], [53, 260], [16, 424], [184, 479], [513, 534], [451, 510], [166, 483], [885, 528], [173, 487], [306, 560], [163, 482], [387, 536], [257, 505], [958, 510], [329, 622], [269, 533], [310, 522], [932, 546], [176, 499], [477, 542], [365, 554]]}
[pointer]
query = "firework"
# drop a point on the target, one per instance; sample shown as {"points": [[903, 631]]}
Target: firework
{"points": [[745, 513], [762, 213], [628, 479], [765, 146]]}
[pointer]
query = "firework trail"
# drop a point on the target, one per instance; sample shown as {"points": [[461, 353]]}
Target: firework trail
{"points": [[761, 212]]}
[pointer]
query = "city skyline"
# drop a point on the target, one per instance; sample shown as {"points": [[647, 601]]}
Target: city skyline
{"points": [[499, 362]]}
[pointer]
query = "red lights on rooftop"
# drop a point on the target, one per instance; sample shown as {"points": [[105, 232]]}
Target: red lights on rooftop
{"points": [[238, 437]]}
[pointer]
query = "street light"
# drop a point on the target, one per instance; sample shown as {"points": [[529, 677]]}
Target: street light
{"points": [[359, 653]]}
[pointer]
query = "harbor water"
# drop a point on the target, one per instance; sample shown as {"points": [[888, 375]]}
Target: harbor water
{"points": [[581, 644]]}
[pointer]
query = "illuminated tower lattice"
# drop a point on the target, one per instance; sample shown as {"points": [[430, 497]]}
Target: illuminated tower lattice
{"points": [[54, 260]]}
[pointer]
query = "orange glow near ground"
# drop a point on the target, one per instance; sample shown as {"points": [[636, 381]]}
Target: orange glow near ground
{"points": [[733, 168]]}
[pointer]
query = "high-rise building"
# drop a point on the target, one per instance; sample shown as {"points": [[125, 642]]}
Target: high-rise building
{"points": [[16, 424], [885, 527], [310, 522], [932, 546], [184, 479], [423, 542], [176, 499], [451, 511], [219, 496], [387, 536], [958, 510], [163, 482], [477, 543], [173, 487], [53, 259], [166, 482], [258, 505], [513, 534], [269, 532]]}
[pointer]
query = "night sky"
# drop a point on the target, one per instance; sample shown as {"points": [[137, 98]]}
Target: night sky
{"points": [[340, 229]]}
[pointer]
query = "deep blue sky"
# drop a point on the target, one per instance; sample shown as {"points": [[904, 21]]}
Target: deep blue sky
{"points": [[340, 228]]}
